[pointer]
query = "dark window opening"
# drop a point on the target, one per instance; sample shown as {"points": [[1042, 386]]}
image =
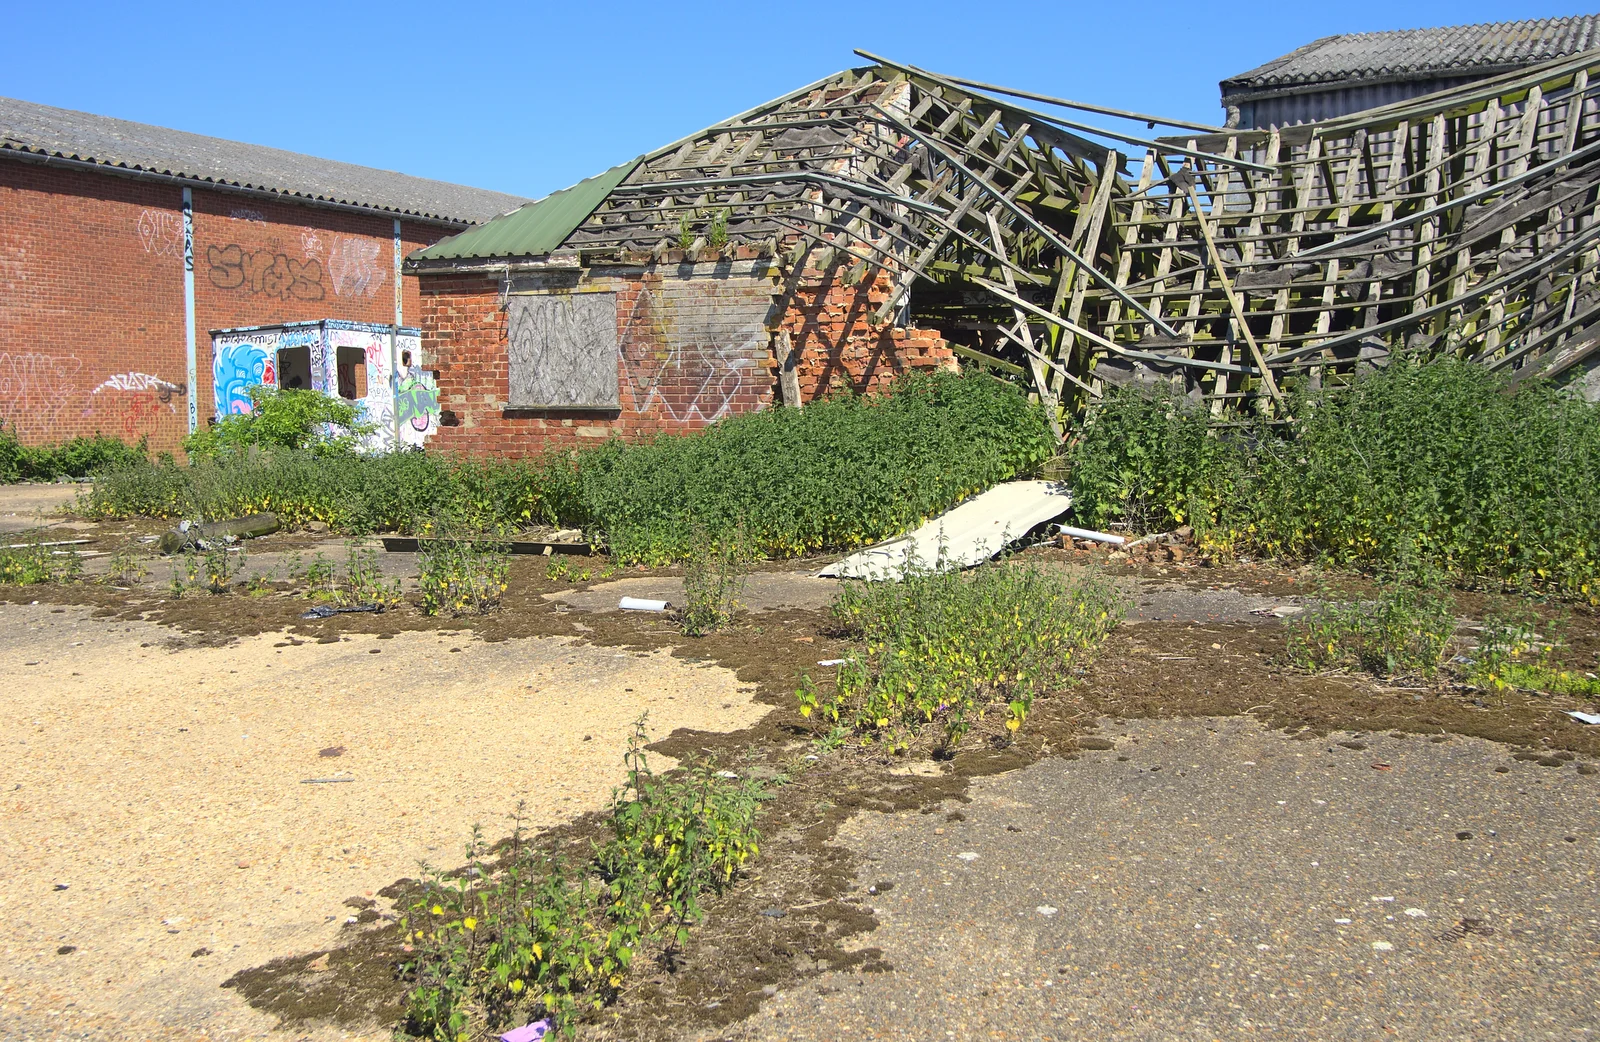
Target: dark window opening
{"points": [[294, 368], [352, 367]]}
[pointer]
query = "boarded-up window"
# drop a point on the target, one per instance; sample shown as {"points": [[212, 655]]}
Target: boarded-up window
{"points": [[562, 351]]}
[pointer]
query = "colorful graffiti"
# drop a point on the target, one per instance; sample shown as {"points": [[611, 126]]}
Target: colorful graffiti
{"points": [[407, 407], [239, 363], [264, 272]]}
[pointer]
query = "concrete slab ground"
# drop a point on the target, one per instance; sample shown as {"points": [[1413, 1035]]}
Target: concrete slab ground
{"points": [[1208, 879], [175, 809], [33, 505]]}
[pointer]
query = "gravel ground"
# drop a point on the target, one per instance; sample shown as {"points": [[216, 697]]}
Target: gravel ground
{"points": [[155, 801], [24, 507], [1210, 880]]}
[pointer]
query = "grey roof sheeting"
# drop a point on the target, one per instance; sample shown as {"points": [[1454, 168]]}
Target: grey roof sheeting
{"points": [[42, 130], [1402, 54]]}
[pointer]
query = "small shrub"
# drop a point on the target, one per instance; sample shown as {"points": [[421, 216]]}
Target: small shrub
{"points": [[713, 580], [497, 944], [462, 575], [1444, 463], [34, 565], [1512, 653], [1403, 631], [126, 567], [287, 418], [943, 648], [80, 457]]}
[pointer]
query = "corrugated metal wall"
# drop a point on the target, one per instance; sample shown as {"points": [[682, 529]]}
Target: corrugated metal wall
{"points": [[1286, 109]]}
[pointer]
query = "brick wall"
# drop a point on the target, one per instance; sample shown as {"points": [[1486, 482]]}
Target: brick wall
{"points": [[826, 320], [695, 344], [91, 313]]}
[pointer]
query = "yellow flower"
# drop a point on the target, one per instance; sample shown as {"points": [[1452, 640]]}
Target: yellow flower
{"points": [[470, 923], [436, 910]]}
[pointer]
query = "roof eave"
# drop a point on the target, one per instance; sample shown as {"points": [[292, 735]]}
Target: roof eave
{"points": [[47, 158]]}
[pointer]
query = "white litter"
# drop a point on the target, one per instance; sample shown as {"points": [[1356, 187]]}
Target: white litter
{"points": [[832, 662], [1345, 922], [967, 855], [1416, 913], [1586, 718], [728, 774], [640, 604], [1382, 946], [1046, 910], [1093, 536], [964, 536]]}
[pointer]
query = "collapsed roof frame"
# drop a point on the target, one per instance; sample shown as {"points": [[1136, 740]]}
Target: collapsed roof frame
{"points": [[1224, 262]]}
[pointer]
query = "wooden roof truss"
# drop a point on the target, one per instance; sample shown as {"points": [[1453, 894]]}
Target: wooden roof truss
{"points": [[1226, 262]]}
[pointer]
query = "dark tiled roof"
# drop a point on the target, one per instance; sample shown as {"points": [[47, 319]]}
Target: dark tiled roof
{"points": [[46, 131], [1418, 53]]}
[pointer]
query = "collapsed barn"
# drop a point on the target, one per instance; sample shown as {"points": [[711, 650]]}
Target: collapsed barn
{"points": [[889, 217]]}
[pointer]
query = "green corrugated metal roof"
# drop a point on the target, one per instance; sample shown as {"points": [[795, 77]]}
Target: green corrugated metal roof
{"points": [[535, 228]]}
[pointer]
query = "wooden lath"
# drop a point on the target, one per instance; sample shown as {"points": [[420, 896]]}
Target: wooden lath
{"points": [[1224, 261]]}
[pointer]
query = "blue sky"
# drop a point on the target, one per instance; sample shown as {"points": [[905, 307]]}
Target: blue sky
{"points": [[530, 97]]}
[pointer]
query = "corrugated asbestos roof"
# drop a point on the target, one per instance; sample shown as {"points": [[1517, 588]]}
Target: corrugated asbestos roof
{"points": [[43, 130], [536, 228], [1413, 53]]}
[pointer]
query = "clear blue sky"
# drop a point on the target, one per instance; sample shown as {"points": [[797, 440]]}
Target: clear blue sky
{"points": [[530, 97]]}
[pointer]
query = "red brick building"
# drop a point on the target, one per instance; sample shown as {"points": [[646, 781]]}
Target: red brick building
{"points": [[122, 246], [539, 342]]}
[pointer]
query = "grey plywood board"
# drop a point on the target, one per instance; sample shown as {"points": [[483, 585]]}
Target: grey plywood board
{"points": [[562, 351]]}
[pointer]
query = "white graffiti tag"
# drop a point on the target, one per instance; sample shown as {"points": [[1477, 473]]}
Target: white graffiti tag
{"points": [[37, 387], [161, 233], [353, 263], [139, 382]]}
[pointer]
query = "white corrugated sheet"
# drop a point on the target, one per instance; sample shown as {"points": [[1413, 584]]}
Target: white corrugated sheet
{"points": [[964, 536]]}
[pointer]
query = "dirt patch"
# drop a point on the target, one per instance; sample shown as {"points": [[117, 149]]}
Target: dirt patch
{"points": [[799, 912]]}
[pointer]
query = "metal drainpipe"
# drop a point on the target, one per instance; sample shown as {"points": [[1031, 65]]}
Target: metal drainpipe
{"points": [[188, 308], [394, 338]]}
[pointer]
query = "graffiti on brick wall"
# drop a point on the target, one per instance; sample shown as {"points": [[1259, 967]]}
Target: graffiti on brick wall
{"points": [[242, 213], [264, 272], [161, 233], [712, 354], [354, 268], [37, 386], [239, 363], [134, 400]]}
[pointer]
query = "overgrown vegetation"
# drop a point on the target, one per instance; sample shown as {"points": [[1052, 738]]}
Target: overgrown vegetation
{"points": [[713, 580], [1444, 463], [32, 564], [842, 472], [530, 934], [78, 458], [1404, 631], [943, 649], [462, 575], [286, 418]]}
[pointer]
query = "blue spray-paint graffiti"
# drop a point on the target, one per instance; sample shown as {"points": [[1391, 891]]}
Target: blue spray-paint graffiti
{"points": [[237, 366]]}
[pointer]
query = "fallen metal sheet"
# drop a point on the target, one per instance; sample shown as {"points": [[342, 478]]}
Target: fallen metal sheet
{"points": [[964, 536]]}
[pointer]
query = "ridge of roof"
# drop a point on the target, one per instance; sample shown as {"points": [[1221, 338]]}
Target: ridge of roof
{"points": [[29, 129], [1416, 53]]}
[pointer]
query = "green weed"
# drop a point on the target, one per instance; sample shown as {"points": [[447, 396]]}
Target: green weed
{"points": [[843, 472], [77, 458], [462, 575], [941, 649], [1402, 632], [33, 565], [713, 580], [1445, 463], [499, 943]]}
